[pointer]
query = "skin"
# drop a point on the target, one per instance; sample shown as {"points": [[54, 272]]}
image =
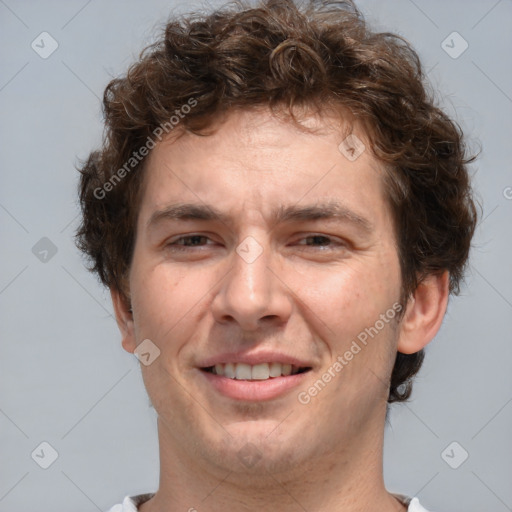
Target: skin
{"points": [[302, 296]]}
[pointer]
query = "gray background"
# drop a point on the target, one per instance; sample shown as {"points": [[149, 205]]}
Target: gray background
{"points": [[64, 377]]}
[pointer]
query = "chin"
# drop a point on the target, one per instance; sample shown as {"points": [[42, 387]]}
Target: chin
{"points": [[252, 447]]}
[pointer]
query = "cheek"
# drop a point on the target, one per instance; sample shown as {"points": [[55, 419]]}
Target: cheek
{"points": [[357, 291], [162, 299]]}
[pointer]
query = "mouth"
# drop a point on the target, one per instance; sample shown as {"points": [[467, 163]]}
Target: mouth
{"points": [[263, 381], [262, 371]]}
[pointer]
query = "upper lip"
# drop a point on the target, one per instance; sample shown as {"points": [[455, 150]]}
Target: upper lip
{"points": [[254, 358]]}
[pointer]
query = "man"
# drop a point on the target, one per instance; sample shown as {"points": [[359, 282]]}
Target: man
{"points": [[280, 213]]}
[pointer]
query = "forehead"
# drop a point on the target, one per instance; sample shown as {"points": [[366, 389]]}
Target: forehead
{"points": [[263, 162]]}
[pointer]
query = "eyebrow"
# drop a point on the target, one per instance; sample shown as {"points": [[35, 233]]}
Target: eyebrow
{"points": [[332, 210]]}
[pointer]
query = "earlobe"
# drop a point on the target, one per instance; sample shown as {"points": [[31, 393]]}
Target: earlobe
{"points": [[424, 313], [124, 318]]}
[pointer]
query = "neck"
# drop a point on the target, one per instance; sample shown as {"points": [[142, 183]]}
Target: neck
{"points": [[348, 479]]}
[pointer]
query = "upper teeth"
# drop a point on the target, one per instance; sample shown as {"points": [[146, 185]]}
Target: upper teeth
{"points": [[262, 371]]}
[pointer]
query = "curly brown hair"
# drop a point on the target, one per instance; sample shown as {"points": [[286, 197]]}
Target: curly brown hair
{"points": [[285, 56]]}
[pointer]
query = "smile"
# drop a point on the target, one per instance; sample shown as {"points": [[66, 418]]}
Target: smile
{"points": [[264, 381], [261, 371]]}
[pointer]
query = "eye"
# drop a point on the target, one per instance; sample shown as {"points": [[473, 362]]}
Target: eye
{"points": [[320, 241], [185, 242]]}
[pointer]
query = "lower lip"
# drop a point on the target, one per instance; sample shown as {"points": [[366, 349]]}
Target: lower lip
{"points": [[254, 390]]}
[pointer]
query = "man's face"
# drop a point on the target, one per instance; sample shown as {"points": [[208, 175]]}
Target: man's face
{"points": [[270, 281]]}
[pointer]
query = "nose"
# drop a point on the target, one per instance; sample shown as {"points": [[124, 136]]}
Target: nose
{"points": [[252, 294]]}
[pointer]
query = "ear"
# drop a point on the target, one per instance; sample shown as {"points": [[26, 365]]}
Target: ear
{"points": [[424, 313], [124, 318]]}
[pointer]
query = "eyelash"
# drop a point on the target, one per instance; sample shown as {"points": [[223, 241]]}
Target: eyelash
{"points": [[175, 244], [180, 247]]}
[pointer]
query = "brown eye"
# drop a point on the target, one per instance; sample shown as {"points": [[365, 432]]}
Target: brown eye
{"points": [[193, 239], [188, 242], [318, 240]]}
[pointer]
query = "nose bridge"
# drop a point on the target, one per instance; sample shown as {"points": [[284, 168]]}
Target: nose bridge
{"points": [[249, 279], [249, 291]]}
